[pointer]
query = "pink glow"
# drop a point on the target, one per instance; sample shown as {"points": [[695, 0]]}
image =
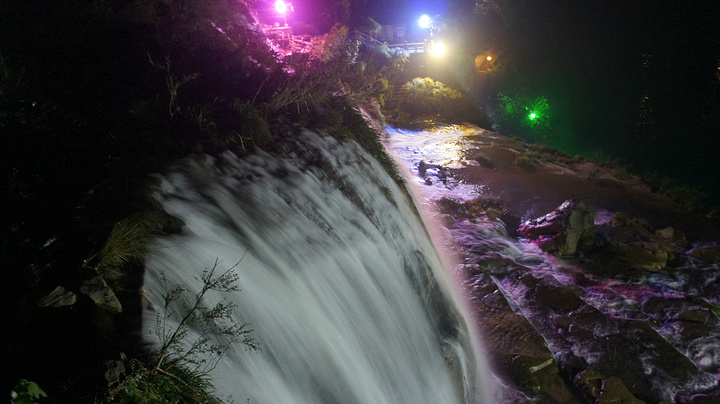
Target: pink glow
{"points": [[280, 6]]}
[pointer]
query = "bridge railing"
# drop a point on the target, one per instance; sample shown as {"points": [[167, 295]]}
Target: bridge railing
{"points": [[415, 47]]}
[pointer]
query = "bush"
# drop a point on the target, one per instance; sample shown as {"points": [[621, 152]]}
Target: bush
{"points": [[145, 385], [425, 98], [26, 392], [523, 117]]}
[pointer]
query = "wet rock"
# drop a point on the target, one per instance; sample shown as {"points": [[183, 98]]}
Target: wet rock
{"points": [[564, 230], [558, 300], [694, 324], [493, 213], [604, 390], [630, 243], [711, 396], [696, 316], [522, 356], [447, 221], [58, 297], [669, 369], [518, 353], [665, 234], [103, 296], [432, 173], [497, 264], [583, 337], [707, 253], [641, 256], [115, 371]]}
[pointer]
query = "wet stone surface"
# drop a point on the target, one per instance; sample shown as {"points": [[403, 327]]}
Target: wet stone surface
{"points": [[628, 314]]}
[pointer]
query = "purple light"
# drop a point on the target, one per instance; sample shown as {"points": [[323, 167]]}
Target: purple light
{"points": [[280, 6]]}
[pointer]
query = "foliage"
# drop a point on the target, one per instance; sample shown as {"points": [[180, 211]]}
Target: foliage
{"points": [[178, 371], [145, 386], [172, 82], [341, 62], [26, 392], [127, 243], [423, 97], [523, 117], [215, 328], [370, 27], [527, 163]]}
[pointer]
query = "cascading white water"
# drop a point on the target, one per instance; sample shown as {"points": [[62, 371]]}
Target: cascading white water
{"points": [[338, 278]]}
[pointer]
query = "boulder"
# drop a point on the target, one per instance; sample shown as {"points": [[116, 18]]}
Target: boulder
{"points": [[103, 296], [115, 371], [58, 297], [633, 244], [564, 230]]}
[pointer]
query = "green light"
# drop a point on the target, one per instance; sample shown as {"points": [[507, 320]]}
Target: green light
{"points": [[532, 116]]}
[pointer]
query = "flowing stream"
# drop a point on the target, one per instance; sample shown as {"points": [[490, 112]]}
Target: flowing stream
{"points": [[347, 296], [656, 330]]}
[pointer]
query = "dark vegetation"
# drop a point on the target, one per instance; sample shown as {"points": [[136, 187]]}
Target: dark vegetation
{"points": [[96, 96]]}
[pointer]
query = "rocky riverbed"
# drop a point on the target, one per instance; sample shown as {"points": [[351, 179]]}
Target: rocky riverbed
{"points": [[586, 286]]}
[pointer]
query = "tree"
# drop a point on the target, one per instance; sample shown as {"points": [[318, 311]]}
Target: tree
{"points": [[178, 371], [217, 331]]}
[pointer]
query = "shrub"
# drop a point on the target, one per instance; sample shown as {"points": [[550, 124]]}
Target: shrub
{"points": [[178, 372], [145, 385], [526, 162], [523, 117], [423, 98], [26, 392]]}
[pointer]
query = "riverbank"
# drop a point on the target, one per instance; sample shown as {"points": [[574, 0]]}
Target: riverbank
{"points": [[632, 315]]}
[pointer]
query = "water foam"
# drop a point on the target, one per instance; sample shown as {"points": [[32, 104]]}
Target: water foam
{"points": [[338, 278]]}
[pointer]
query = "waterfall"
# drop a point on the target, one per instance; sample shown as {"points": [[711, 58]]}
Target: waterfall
{"points": [[339, 279]]}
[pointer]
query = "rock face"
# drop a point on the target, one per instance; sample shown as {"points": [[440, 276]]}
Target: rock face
{"points": [[103, 296], [563, 230], [58, 297]]}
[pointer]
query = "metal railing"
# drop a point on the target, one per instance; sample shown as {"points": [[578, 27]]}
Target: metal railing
{"points": [[415, 47]]}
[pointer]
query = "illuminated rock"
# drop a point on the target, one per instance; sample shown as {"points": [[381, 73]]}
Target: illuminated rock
{"points": [[563, 230]]}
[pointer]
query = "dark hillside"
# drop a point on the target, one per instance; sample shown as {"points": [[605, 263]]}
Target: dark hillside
{"points": [[95, 97]]}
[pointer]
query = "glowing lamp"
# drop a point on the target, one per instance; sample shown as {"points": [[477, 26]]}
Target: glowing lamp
{"points": [[438, 48], [280, 7], [489, 58], [425, 21]]}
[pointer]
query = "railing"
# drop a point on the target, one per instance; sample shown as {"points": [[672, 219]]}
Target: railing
{"points": [[415, 47]]}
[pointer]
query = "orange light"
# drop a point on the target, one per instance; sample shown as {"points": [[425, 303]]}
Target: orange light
{"points": [[489, 58]]}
